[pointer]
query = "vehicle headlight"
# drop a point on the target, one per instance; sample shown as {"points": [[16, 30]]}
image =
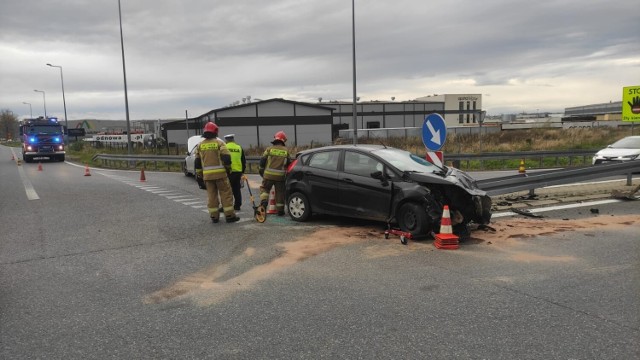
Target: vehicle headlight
{"points": [[629, 157]]}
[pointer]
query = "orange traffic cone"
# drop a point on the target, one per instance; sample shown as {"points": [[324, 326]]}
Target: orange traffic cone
{"points": [[86, 170], [39, 166], [446, 239], [142, 177], [272, 202]]}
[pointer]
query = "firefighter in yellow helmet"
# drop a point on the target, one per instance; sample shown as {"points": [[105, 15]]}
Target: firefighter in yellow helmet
{"points": [[212, 164], [273, 165]]}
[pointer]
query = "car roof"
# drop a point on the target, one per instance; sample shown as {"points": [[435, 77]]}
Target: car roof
{"points": [[364, 147]]}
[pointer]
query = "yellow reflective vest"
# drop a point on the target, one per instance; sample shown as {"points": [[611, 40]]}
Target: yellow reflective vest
{"points": [[236, 156]]}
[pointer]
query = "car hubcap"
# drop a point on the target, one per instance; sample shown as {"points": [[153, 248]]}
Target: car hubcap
{"points": [[410, 220], [296, 207]]}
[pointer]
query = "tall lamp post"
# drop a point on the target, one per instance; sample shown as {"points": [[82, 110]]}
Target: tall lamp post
{"points": [[353, 38], [124, 72], [44, 101], [30, 109], [64, 102]]}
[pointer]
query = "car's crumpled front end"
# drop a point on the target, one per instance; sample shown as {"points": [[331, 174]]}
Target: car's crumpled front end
{"points": [[461, 193]]}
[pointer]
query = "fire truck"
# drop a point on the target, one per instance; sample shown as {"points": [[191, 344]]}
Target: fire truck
{"points": [[42, 137]]}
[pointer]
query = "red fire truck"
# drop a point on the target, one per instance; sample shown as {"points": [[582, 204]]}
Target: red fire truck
{"points": [[42, 138]]}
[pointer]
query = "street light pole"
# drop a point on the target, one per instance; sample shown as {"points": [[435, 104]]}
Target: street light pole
{"points": [[30, 109], [124, 72], [64, 103], [353, 36], [44, 101]]}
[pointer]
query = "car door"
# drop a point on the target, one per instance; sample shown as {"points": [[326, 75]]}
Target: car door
{"points": [[321, 178], [360, 194]]}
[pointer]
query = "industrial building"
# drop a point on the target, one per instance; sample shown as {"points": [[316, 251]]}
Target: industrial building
{"points": [[254, 123]]}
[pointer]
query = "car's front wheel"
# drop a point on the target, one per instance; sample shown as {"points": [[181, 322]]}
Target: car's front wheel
{"points": [[299, 207], [412, 218]]}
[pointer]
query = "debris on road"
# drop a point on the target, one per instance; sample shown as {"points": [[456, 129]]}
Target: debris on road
{"points": [[526, 212]]}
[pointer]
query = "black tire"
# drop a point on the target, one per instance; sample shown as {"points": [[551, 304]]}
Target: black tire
{"points": [[184, 168], [27, 159], [61, 158], [412, 218], [299, 207]]}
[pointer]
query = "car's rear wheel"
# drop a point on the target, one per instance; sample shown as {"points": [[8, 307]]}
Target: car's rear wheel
{"points": [[299, 207], [184, 168], [412, 218]]}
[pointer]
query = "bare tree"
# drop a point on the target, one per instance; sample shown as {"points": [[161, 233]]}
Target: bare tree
{"points": [[8, 124]]}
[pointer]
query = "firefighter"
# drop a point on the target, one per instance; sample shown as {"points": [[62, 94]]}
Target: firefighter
{"points": [[238, 167], [213, 163], [273, 164]]}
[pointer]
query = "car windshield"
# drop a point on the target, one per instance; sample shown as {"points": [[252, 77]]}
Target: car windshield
{"points": [[43, 129], [627, 143], [406, 161]]}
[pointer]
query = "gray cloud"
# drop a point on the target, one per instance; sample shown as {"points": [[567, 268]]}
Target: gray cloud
{"points": [[199, 55]]}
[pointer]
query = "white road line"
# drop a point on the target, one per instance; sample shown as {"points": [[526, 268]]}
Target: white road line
{"points": [[28, 187], [559, 207], [193, 203], [176, 197]]}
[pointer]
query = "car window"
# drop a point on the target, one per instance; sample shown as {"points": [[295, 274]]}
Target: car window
{"points": [[327, 160], [361, 164], [627, 143]]}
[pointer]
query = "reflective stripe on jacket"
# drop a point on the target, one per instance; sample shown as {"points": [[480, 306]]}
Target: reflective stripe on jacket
{"points": [[277, 158], [211, 152]]}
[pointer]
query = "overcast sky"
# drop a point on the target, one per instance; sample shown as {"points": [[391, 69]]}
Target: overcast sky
{"points": [[199, 55]]}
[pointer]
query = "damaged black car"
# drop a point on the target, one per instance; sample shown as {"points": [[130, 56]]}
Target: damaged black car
{"points": [[385, 184]]}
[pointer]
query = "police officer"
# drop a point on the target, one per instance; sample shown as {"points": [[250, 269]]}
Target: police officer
{"points": [[212, 164], [238, 166], [273, 164]]}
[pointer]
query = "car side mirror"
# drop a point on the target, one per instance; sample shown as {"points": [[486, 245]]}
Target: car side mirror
{"points": [[380, 176]]}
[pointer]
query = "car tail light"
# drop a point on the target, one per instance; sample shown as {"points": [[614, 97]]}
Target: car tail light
{"points": [[292, 165]]}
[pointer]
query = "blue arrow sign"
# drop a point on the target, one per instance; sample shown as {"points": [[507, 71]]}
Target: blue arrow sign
{"points": [[434, 132]]}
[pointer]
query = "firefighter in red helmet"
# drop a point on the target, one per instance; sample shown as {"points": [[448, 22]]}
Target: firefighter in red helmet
{"points": [[212, 164], [273, 165]]}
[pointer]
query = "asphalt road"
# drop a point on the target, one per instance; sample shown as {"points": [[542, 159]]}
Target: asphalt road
{"points": [[107, 266]]}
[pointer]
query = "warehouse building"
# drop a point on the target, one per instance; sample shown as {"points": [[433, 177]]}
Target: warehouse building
{"points": [[254, 123]]}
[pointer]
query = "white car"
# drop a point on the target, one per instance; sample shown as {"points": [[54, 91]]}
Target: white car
{"points": [[188, 166], [625, 149]]}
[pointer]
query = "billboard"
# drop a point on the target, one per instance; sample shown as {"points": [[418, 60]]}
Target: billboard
{"points": [[631, 103]]}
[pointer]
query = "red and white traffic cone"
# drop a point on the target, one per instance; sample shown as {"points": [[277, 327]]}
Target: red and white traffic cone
{"points": [[142, 177], [272, 202], [446, 239], [86, 170], [39, 166]]}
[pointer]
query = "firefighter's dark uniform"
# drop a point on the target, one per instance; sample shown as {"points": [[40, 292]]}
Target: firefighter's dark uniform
{"points": [[273, 164], [238, 167], [216, 162]]}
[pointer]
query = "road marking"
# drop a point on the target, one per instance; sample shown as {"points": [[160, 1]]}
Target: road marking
{"points": [[28, 187], [559, 207]]}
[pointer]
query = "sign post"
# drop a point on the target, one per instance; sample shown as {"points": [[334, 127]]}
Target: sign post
{"points": [[434, 134]]}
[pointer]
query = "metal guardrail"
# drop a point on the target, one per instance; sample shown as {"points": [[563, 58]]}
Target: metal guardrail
{"points": [[129, 161], [495, 186], [531, 181], [458, 159]]}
